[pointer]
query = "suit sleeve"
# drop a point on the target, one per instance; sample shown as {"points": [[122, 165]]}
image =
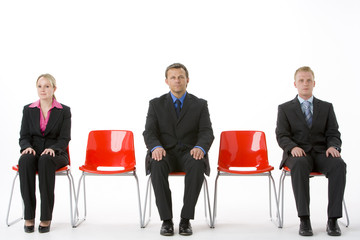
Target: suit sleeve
{"points": [[332, 133], [151, 133], [205, 134], [283, 131], [25, 140]]}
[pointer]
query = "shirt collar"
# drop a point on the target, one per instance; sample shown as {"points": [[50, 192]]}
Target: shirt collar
{"points": [[54, 104], [301, 100], [181, 99]]}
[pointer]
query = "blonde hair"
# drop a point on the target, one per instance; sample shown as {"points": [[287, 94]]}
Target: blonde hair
{"points": [[51, 79], [304, 69]]}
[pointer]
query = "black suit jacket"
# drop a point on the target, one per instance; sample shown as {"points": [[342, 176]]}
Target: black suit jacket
{"points": [[57, 132], [292, 130], [163, 128]]}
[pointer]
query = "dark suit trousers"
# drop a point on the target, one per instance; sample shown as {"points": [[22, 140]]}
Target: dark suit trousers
{"points": [[45, 166], [333, 168], [177, 160]]}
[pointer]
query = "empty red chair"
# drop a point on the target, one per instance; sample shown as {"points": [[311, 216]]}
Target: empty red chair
{"points": [[108, 153], [244, 153]]}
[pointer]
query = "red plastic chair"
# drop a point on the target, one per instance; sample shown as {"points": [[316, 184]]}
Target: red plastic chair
{"points": [[286, 172], [177, 174], [64, 171], [244, 153], [108, 153]]}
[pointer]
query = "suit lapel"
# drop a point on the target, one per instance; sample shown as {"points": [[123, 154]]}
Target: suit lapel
{"points": [[185, 107], [299, 113], [54, 117], [316, 109], [171, 107], [35, 118]]}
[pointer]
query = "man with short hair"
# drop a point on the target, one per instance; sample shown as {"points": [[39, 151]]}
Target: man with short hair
{"points": [[178, 135], [307, 131]]}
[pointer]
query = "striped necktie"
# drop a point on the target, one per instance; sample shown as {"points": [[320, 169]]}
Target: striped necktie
{"points": [[307, 113]]}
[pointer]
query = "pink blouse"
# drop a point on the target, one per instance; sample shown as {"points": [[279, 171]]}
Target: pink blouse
{"points": [[43, 121]]}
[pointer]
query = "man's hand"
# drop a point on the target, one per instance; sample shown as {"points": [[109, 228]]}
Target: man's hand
{"points": [[29, 150], [158, 154], [298, 152], [197, 153], [333, 152]]}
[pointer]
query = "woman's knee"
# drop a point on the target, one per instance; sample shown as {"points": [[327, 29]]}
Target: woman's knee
{"points": [[27, 160], [45, 161]]}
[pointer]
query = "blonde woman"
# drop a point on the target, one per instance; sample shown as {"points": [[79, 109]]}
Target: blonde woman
{"points": [[44, 137]]}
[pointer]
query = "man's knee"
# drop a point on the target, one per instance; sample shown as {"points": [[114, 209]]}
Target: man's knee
{"points": [[159, 167], [196, 166], [338, 166], [299, 164]]}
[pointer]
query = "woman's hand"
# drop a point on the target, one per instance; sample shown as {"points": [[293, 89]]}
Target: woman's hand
{"points": [[28, 150], [48, 151]]}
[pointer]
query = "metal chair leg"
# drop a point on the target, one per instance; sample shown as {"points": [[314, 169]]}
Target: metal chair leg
{"points": [[78, 221], [281, 198], [207, 203], [346, 214], [215, 200], [139, 200], [278, 219], [8, 212], [147, 203], [71, 193]]}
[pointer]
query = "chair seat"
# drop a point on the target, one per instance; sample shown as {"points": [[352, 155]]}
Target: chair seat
{"points": [[94, 170], [67, 167], [311, 174], [259, 170], [177, 173]]}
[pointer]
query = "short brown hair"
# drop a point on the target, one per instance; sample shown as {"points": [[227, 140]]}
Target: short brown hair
{"points": [[177, 65], [304, 69]]}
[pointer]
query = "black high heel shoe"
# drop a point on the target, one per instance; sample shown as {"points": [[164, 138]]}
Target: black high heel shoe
{"points": [[44, 229], [29, 229]]}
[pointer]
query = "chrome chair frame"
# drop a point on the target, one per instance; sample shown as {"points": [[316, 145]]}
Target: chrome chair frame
{"points": [[278, 220], [67, 173], [208, 214], [78, 220], [285, 173]]}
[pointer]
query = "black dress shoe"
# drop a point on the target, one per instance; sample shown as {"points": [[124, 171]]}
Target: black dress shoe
{"points": [[333, 228], [185, 227], [305, 227], [29, 229], [43, 229], [167, 228]]}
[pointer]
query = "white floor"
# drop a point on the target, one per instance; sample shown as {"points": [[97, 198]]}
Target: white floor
{"points": [[113, 212]]}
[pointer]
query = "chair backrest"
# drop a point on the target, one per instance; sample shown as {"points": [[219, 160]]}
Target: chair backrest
{"points": [[68, 152], [110, 148], [243, 149]]}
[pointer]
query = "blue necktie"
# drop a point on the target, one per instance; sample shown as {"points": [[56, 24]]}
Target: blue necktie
{"points": [[177, 107], [307, 112]]}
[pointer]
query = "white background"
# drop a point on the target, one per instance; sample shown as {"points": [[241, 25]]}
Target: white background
{"points": [[109, 59]]}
